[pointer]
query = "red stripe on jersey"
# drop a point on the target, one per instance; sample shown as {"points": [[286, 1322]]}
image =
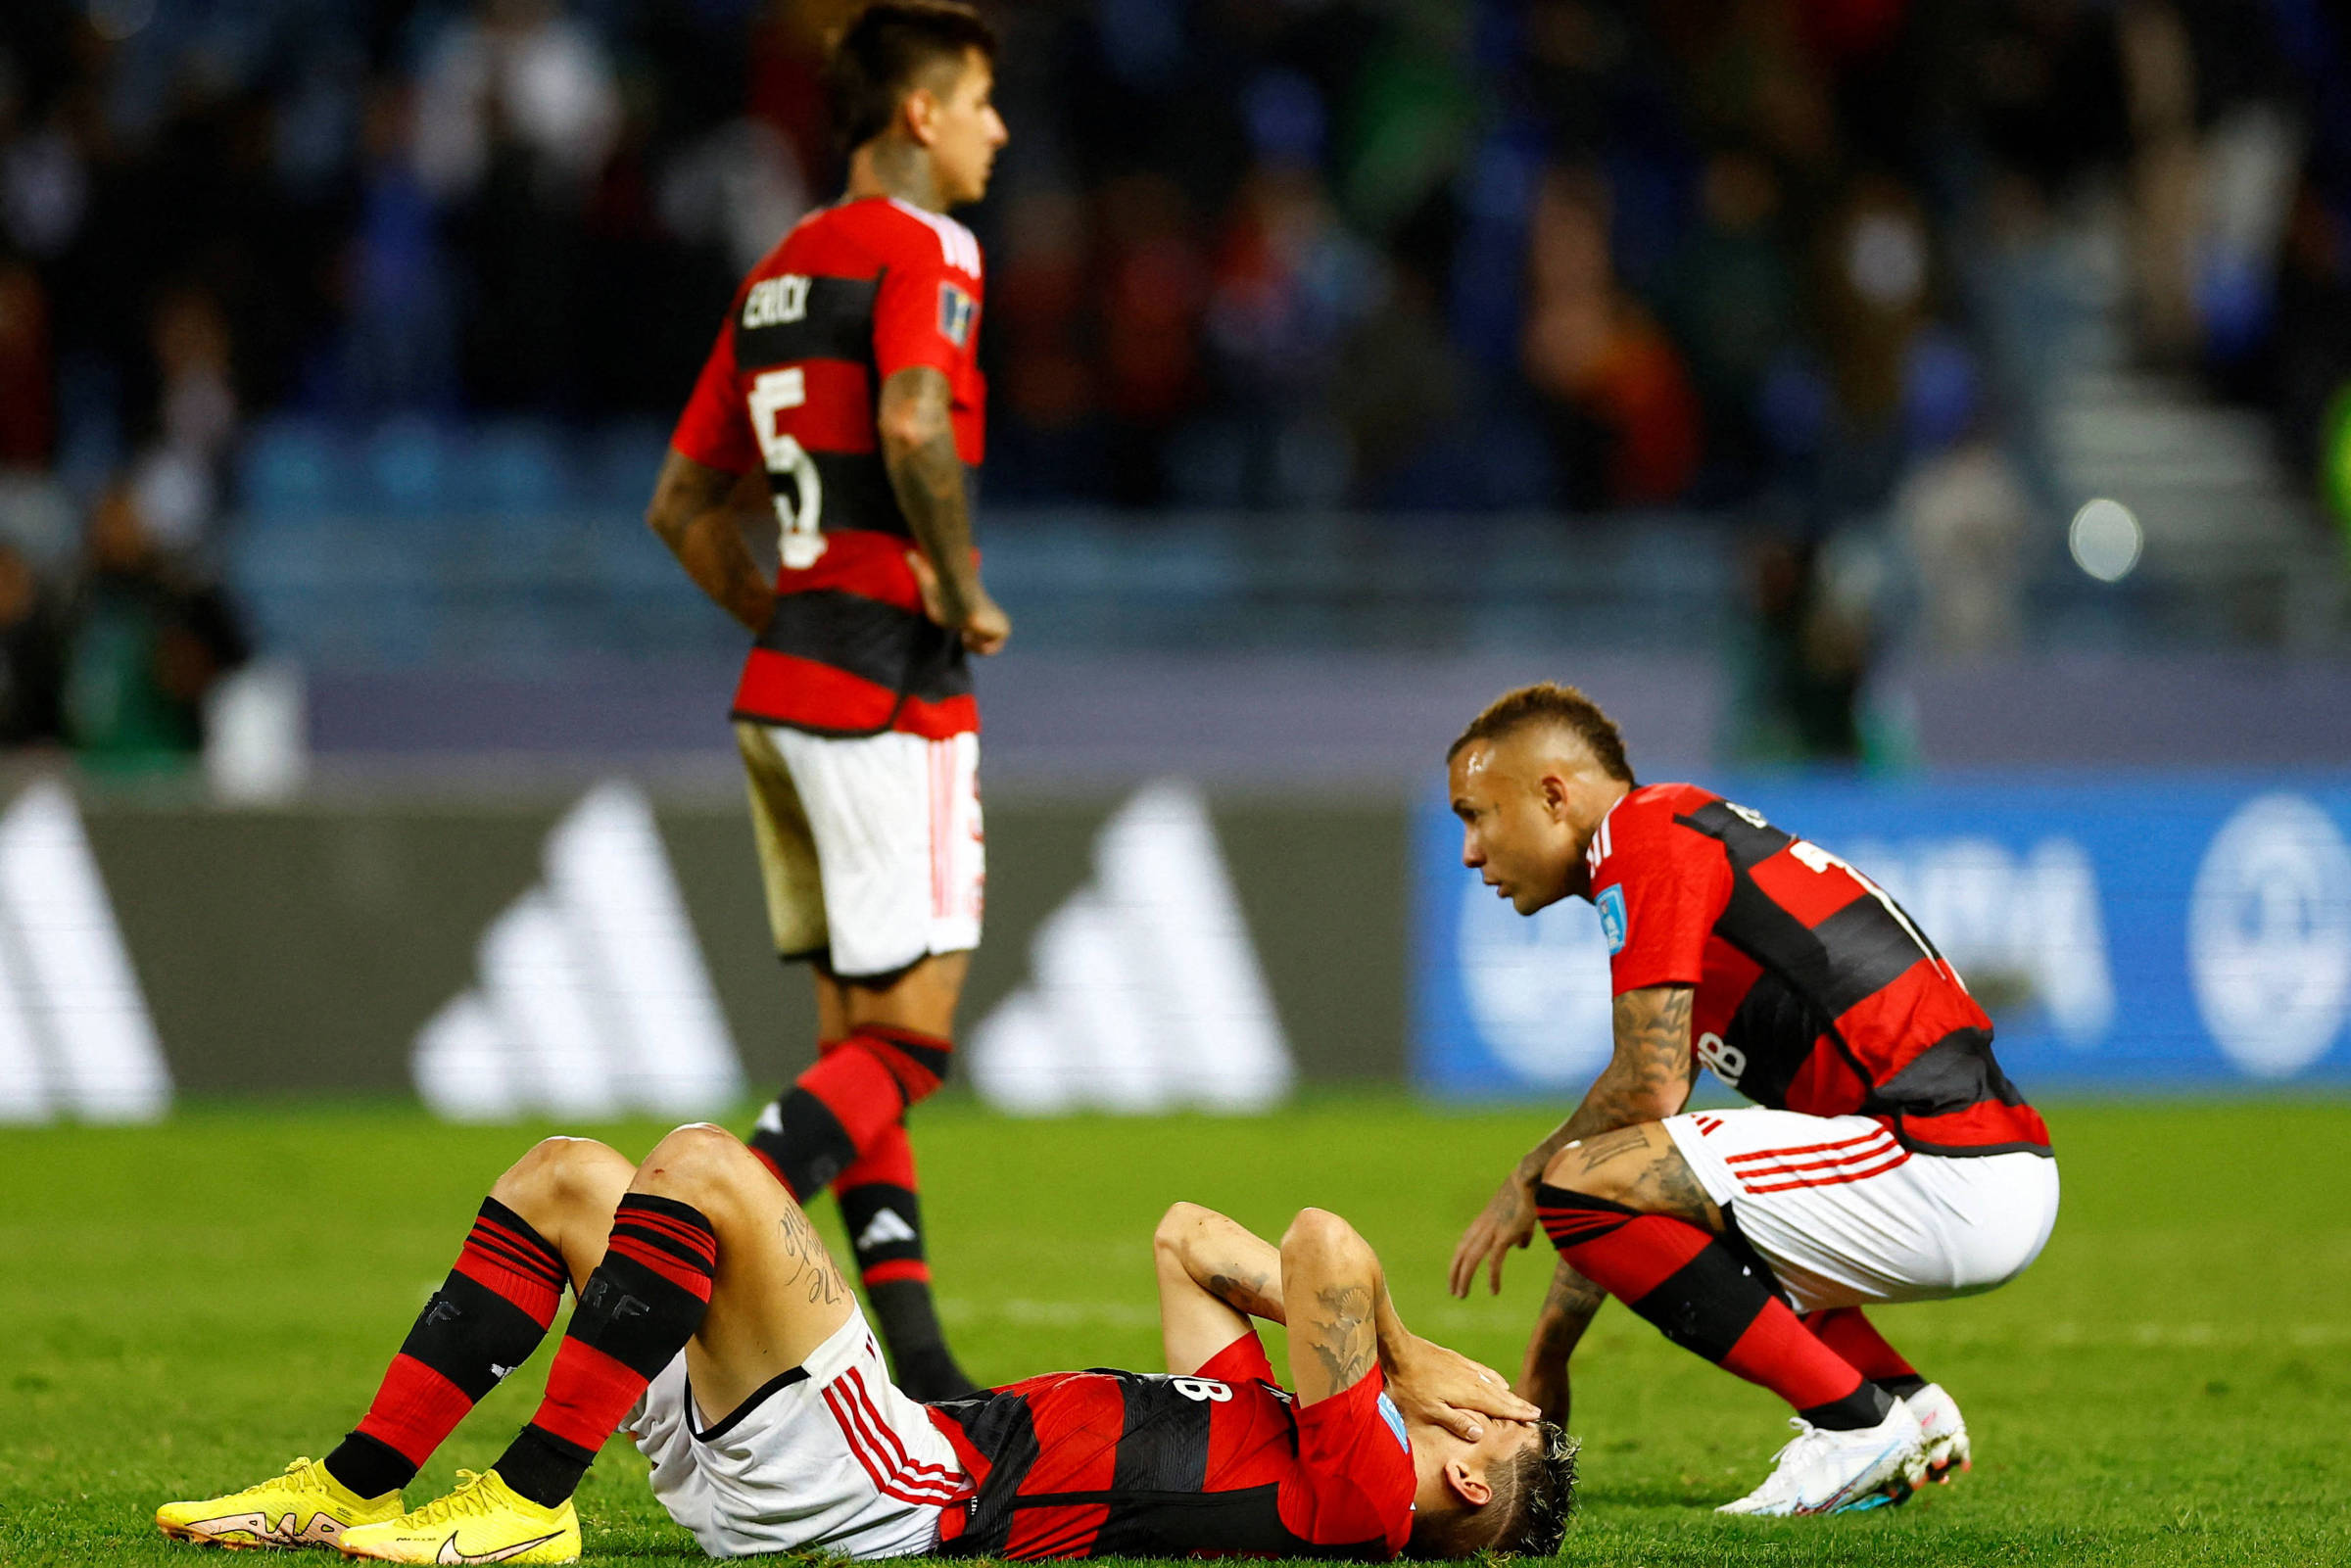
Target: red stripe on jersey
{"points": [[937, 720], [861, 561], [784, 689], [838, 411], [1987, 1125], [1811, 896], [1066, 1529]]}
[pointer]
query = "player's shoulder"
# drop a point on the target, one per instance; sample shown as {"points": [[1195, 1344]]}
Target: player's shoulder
{"points": [[1659, 807], [907, 234]]}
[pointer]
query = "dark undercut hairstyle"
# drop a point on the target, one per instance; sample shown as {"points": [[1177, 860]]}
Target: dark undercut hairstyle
{"points": [[1534, 1492], [1546, 702], [879, 55]]}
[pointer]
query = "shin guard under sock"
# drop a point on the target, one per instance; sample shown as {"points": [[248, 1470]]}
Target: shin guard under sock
{"points": [[1704, 1298], [484, 1322], [1845, 1330], [636, 1312]]}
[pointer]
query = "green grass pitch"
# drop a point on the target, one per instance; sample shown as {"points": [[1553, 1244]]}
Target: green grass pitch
{"points": [[185, 1308]]}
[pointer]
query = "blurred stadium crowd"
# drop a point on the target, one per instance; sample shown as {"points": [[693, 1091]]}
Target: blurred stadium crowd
{"points": [[1799, 261]]}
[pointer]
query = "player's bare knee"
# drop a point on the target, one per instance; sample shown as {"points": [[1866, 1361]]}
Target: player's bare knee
{"points": [[701, 1165], [1175, 1226], [1317, 1233], [561, 1176]]}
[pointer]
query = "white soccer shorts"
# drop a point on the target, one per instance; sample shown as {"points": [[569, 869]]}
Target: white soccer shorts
{"points": [[830, 1455], [1845, 1216], [870, 846]]}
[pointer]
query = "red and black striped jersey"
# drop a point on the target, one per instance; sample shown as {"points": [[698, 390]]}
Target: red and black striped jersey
{"points": [[855, 294], [1814, 991], [1223, 1464]]}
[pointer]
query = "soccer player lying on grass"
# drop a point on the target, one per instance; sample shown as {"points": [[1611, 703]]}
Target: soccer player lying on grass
{"points": [[1886, 1159], [711, 1322]]}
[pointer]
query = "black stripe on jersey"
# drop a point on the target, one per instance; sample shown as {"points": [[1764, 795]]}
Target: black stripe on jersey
{"points": [[893, 649], [1163, 1441], [838, 324], [1847, 959], [1002, 1427], [1872, 950], [1772, 1014], [854, 493], [1953, 1073]]}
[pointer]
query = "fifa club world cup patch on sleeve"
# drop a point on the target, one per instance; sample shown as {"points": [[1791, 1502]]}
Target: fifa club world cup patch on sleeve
{"points": [[955, 312], [1610, 904], [1395, 1419]]}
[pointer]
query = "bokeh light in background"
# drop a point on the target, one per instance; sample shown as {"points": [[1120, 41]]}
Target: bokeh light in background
{"points": [[2105, 540]]}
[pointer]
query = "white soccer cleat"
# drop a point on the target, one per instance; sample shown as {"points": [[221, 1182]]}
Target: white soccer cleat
{"points": [[1944, 1432], [1831, 1472]]}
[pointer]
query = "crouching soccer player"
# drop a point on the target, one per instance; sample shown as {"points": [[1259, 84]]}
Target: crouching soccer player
{"points": [[711, 1322], [1887, 1157]]}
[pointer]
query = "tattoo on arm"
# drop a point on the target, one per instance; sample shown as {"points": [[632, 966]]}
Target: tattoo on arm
{"points": [[926, 474], [1246, 1293], [1344, 1339], [695, 511], [1649, 1076]]}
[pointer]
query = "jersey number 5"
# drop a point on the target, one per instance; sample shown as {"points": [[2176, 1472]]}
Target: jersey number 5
{"points": [[801, 513]]}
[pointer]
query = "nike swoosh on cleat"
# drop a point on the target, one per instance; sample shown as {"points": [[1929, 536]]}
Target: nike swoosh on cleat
{"points": [[450, 1554]]}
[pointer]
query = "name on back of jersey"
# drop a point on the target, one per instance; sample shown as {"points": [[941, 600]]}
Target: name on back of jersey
{"points": [[774, 301]]}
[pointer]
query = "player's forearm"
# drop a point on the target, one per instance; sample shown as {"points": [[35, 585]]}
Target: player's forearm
{"points": [[1567, 1311], [1226, 1260], [711, 550], [693, 512], [926, 474], [1646, 1079]]}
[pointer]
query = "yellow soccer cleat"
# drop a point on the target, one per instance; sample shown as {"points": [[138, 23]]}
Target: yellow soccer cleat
{"points": [[306, 1506], [483, 1521]]}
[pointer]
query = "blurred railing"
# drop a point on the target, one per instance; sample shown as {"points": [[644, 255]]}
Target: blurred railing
{"points": [[517, 548]]}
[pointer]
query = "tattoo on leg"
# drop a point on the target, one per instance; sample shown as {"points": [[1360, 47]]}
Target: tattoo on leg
{"points": [[810, 1262], [1667, 1187], [1598, 1151]]}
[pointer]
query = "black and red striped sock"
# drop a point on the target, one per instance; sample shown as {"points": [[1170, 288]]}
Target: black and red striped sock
{"points": [[1845, 1330], [484, 1322], [1707, 1298], [882, 1209], [858, 1089], [636, 1312]]}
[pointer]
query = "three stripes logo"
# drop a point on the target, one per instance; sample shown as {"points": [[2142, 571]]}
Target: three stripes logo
{"points": [[591, 997], [1818, 1165], [1145, 991], [76, 1038]]}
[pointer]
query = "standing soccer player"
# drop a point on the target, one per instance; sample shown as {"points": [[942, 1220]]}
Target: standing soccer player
{"points": [[843, 393], [1886, 1159]]}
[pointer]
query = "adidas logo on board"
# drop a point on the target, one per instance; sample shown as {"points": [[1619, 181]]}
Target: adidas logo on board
{"points": [[1145, 993], [592, 997], [75, 1039]]}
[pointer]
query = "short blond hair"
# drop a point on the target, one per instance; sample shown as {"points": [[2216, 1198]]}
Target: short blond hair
{"points": [[1547, 702]]}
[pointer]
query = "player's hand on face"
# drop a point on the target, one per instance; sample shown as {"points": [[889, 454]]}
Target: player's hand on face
{"points": [[1508, 1221], [1441, 1385]]}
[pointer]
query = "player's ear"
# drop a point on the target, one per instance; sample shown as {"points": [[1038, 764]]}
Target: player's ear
{"points": [[1552, 790], [918, 111], [1468, 1484]]}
